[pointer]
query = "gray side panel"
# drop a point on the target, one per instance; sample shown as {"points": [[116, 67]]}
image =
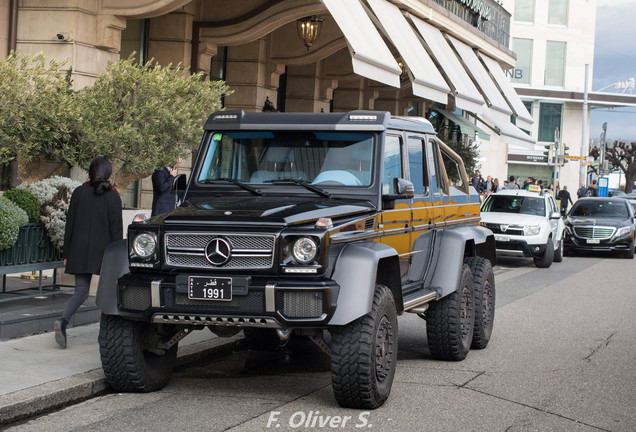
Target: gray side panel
{"points": [[114, 265], [451, 255], [422, 247], [355, 272]]}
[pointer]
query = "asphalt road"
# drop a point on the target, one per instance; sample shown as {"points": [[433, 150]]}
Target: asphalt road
{"points": [[562, 358]]}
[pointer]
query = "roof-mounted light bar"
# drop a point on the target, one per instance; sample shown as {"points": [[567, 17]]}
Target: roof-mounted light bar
{"points": [[362, 117], [226, 117]]}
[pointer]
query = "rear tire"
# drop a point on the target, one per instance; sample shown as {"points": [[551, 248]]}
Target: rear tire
{"points": [[364, 355], [450, 321], [484, 287], [129, 365], [545, 260]]}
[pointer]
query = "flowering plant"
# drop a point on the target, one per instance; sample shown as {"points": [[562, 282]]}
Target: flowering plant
{"points": [[10, 219]]}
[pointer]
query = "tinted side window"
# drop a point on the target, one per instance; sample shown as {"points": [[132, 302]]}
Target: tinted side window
{"points": [[454, 170], [417, 165], [440, 173], [392, 163]]}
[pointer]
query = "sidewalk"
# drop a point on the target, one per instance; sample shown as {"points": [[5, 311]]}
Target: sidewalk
{"points": [[38, 376]]}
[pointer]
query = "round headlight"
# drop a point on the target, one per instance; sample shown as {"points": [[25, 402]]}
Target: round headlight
{"points": [[304, 250], [144, 245]]}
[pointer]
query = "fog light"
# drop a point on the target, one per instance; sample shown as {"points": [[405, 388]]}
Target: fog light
{"points": [[537, 248]]}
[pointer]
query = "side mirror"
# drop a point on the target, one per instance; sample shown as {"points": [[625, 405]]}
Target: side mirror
{"points": [[404, 189], [555, 215], [179, 184]]}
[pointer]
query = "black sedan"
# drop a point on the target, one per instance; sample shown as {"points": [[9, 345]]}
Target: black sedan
{"points": [[600, 225]]}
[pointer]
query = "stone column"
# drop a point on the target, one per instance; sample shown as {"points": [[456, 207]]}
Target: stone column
{"points": [[170, 37], [307, 89]]}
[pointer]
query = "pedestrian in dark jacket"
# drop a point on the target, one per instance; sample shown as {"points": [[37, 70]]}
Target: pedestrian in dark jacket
{"points": [[564, 196], [582, 191], [162, 200], [94, 221]]}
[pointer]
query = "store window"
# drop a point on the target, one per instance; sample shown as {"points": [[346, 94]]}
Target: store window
{"points": [[554, 63], [523, 66], [524, 11], [558, 12], [549, 119]]}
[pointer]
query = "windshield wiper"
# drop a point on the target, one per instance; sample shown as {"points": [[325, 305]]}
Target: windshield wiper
{"points": [[300, 182], [235, 182]]}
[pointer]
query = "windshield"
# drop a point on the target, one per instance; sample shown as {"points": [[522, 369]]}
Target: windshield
{"points": [[603, 209], [515, 204], [318, 158]]}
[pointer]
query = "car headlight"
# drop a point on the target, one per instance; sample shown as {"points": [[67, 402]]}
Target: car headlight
{"points": [[304, 250], [623, 231], [531, 230], [144, 245]]}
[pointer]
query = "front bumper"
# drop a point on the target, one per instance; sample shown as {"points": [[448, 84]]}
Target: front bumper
{"points": [[516, 246], [617, 245], [279, 303]]}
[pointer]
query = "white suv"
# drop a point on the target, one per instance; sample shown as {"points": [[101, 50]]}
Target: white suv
{"points": [[525, 224]]}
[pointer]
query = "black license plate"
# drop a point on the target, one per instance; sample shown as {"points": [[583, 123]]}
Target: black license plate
{"points": [[209, 288]]}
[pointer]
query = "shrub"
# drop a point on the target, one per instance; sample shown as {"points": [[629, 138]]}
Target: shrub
{"points": [[26, 201], [9, 227], [54, 196]]}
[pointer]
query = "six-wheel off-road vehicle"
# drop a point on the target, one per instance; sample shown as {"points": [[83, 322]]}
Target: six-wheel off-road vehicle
{"points": [[305, 223]]}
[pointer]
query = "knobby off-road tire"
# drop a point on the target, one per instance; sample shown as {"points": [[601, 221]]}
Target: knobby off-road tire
{"points": [[558, 253], [545, 260], [364, 355], [484, 287], [265, 339], [128, 365], [450, 321]]}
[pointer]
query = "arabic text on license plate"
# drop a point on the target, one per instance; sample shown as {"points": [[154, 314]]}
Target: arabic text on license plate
{"points": [[499, 237], [593, 241], [209, 288]]}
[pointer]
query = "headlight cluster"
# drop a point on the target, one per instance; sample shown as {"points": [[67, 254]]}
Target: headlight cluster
{"points": [[143, 249], [530, 230], [301, 254], [623, 231], [304, 250]]}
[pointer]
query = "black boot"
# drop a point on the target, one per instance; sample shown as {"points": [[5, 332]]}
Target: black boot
{"points": [[60, 332]]}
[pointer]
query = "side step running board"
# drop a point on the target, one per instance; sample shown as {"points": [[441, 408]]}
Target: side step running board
{"points": [[418, 298]]}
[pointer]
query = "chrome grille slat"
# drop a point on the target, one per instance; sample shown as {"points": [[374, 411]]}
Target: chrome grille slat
{"points": [[249, 251], [595, 233]]}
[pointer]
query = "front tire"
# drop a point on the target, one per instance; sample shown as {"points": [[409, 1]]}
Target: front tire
{"points": [[450, 321], [364, 355], [558, 253], [129, 361], [630, 254], [484, 287], [545, 260]]}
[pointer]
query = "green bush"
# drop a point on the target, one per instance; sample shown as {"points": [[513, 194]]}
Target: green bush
{"points": [[26, 201], [9, 227]]}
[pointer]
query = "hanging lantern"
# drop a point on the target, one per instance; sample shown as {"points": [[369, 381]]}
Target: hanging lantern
{"points": [[309, 29]]}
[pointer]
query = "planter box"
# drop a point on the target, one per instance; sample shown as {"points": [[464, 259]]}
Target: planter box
{"points": [[33, 246]]}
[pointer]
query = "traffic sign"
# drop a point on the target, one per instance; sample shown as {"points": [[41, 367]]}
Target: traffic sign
{"points": [[575, 157]]}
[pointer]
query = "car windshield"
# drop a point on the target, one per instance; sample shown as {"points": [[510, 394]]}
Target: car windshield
{"points": [[515, 204], [316, 158], [603, 209]]}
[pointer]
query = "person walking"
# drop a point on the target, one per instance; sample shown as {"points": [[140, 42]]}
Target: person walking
{"points": [[512, 183], [478, 183], [162, 200], [495, 186], [592, 191], [564, 197], [582, 191], [94, 221]]}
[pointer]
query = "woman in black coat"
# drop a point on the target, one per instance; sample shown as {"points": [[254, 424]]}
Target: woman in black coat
{"points": [[94, 221]]}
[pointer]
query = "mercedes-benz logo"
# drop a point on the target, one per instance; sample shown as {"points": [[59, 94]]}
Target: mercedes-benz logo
{"points": [[218, 251]]}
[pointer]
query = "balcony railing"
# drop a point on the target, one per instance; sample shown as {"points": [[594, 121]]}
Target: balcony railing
{"points": [[487, 15]]}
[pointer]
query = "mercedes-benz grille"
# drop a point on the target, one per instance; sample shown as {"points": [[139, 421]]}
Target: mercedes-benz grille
{"points": [[598, 233]]}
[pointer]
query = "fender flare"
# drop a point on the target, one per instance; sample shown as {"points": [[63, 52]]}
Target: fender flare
{"points": [[356, 272], [114, 265], [453, 246]]}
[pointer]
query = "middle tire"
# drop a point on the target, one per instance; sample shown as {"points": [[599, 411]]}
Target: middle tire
{"points": [[364, 355], [484, 287]]}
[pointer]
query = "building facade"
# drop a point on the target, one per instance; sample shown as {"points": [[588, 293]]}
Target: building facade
{"points": [[409, 57]]}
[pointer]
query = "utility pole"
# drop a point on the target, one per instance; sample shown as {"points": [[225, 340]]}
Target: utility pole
{"points": [[583, 168], [557, 153]]}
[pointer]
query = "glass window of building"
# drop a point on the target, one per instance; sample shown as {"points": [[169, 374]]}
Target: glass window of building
{"points": [[558, 12], [524, 11], [549, 120], [554, 63], [522, 72]]}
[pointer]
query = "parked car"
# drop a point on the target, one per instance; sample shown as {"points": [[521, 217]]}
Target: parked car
{"points": [[525, 223], [601, 225], [307, 223], [615, 193]]}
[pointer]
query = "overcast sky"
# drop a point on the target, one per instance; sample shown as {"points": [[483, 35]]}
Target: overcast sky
{"points": [[614, 60]]}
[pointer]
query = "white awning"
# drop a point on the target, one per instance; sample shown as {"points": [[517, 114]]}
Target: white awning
{"points": [[426, 80], [508, 132], [474, 67], [369, 54], [467, 97], [523, 117]]}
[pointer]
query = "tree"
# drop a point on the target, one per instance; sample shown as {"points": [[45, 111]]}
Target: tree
{"points": [[623, 156], [451, 135], [38, 119], [142, 117]]}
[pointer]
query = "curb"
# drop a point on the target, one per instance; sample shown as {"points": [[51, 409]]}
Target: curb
{"points": [[48, 397]]}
